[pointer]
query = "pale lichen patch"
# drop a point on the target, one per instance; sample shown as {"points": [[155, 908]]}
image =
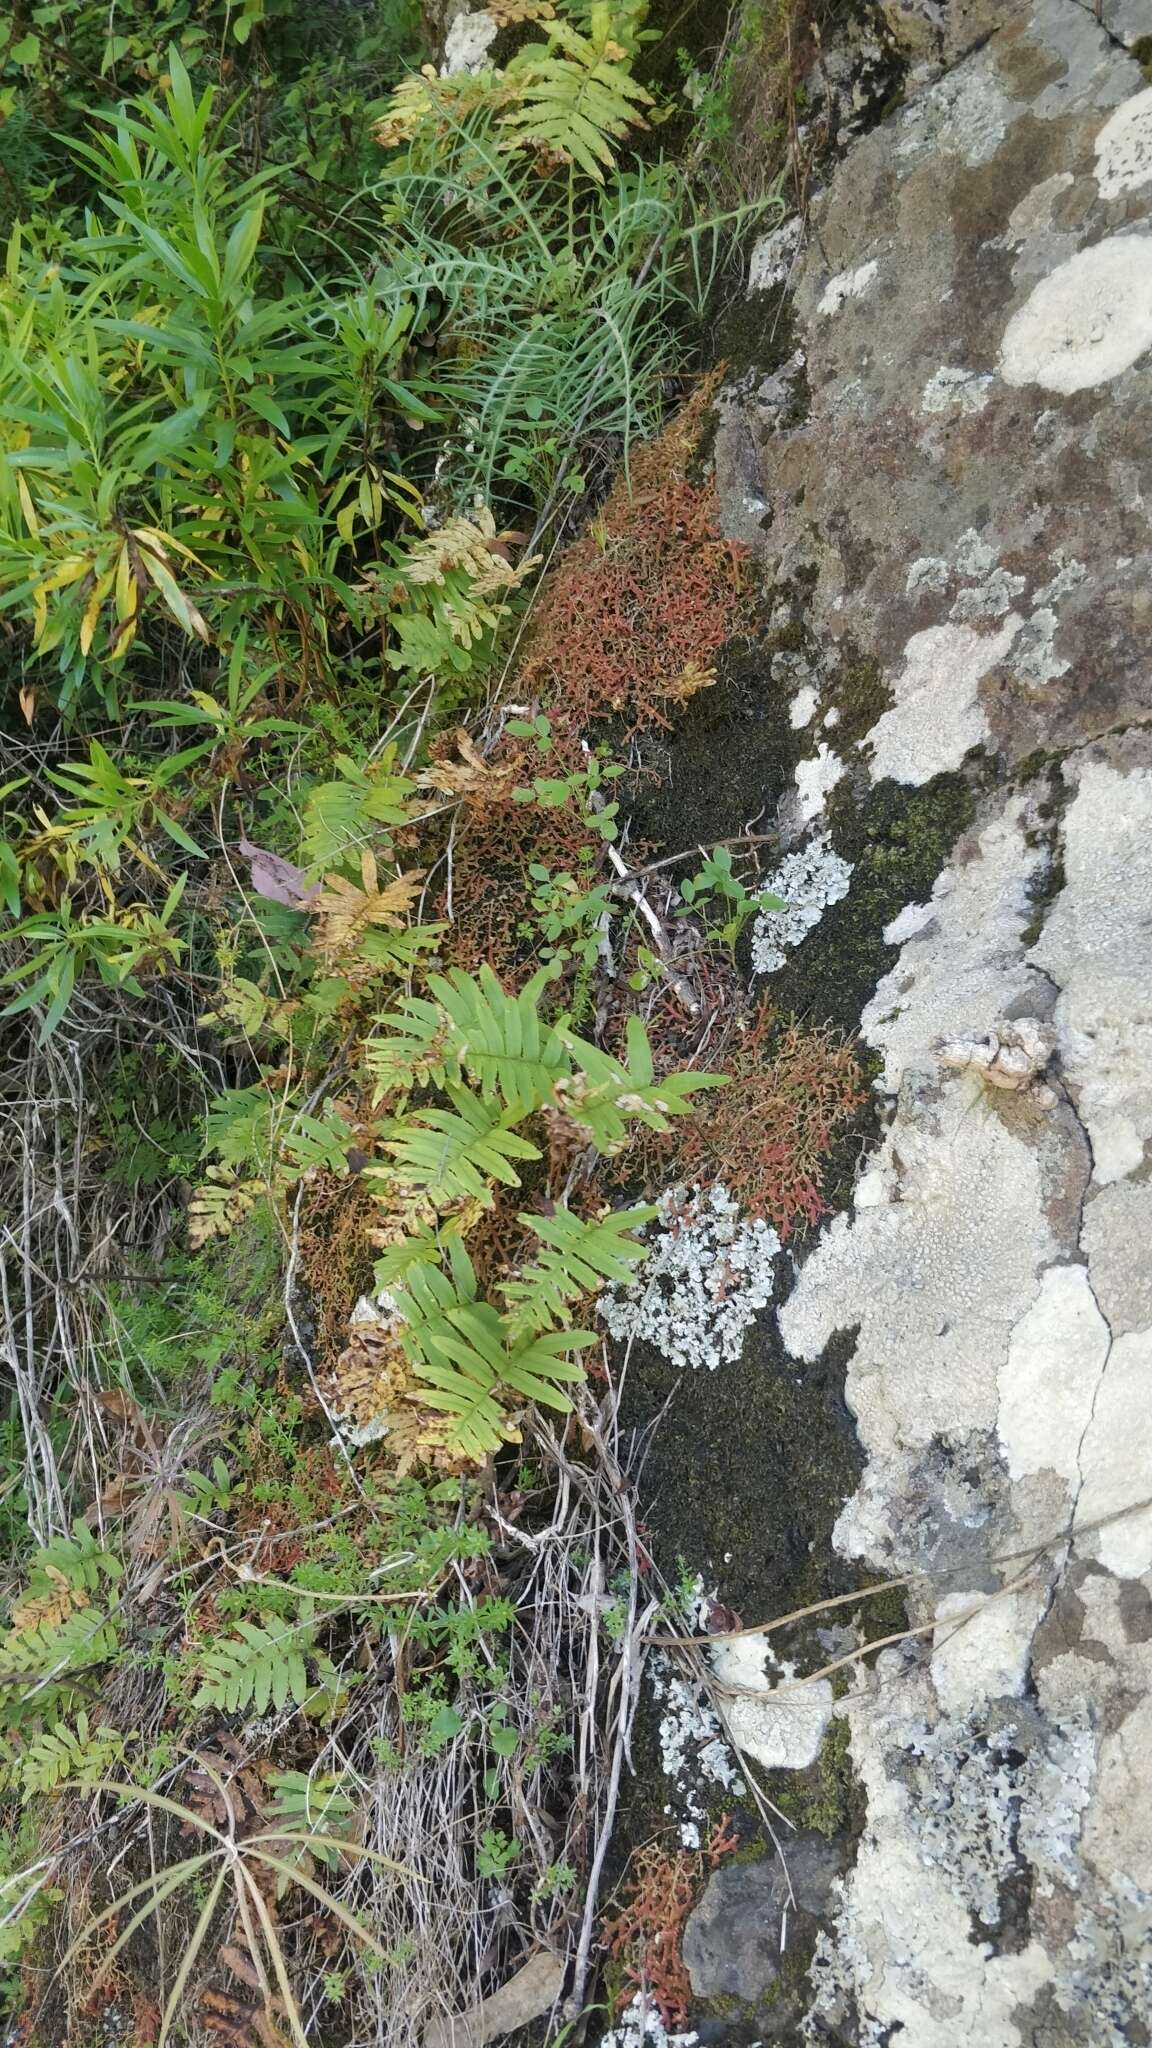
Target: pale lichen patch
{"points": [[816, 778], [1086, 322], [707, 1275], [937, 715], [849, 284], [1051, 1376], [1124, 148], [955, 390], [779, 1724], [807, 881]]}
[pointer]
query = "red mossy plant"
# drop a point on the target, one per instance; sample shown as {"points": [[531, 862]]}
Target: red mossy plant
{"points": [[645, 1935], [793, 1090], [638, 608]]}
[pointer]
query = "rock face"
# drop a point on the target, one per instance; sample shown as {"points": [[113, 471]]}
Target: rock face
{"points": [[966, 505], [735, 1941]]}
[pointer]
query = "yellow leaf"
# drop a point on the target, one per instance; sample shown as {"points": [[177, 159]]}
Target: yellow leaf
{"points": [[159, 543], [127, 590], [692, 678], [29, 509], [70, 571], [100, 591], [178, 602]]}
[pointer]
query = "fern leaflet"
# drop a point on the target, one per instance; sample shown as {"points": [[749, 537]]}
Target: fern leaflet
{"points": [[256, 1668], [578, 103], [477, 1028], [455, 1152], [576, 1258], [80, 1754], [605, 1092]]}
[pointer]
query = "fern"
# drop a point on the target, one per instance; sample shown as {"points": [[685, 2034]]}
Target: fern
{"points": [[476, 1028], [78, 1561], [576, 95], [454, 1153], [501, 1040], [340, 817], [605, 1092], [466, 1354], [255, 1669], [80, 1754], [316, 1807], [469, 1357], [39, 1664], [576, 1259]]}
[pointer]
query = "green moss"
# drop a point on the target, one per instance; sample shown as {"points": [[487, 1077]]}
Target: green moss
{"points": [[883, 1614], [828, 1797], [856, 689], [898, 841], [1141, 49]]}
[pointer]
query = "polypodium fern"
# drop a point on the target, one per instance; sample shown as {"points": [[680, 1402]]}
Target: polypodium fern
{"points": [[575, 94], [454, 1153], [78, 1563], [466, 1354], [41, 1663], [604, 1092], [476, 1028], [576, 1258], [498, 1062], [255, 1668], [63, 1754]]}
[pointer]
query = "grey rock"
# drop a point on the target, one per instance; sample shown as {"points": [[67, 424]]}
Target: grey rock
{"points": [[962, 499], [732, 1939]]}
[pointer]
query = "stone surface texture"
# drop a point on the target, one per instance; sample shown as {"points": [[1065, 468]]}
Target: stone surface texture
{"points": [[968, 500], [733, 1939]]}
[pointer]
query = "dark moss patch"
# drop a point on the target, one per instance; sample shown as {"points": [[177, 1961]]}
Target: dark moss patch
{"points": [[1046, 885], [755, 334], [1141, 49], [732, 755], [855, 688], [828, 1796], [898, 840], [752, 1464]]}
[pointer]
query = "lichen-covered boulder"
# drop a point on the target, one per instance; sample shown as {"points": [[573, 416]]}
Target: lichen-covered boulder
{"points": [[947, 445]]}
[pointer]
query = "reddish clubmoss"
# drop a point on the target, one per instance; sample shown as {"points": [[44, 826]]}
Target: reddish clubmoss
{"points": [[639, 607]]}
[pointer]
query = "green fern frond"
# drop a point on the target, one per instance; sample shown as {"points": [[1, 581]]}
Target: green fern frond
{"points": [[343, 816], [466, 1355], [256, 1668], [501, 1040], [605, 1092], [79, 1561], [576, 98], [576, 1259], [61, 1754], [476, 1028], [54, 1649], [454, 1153], [536, 1365], [409, 1049]]}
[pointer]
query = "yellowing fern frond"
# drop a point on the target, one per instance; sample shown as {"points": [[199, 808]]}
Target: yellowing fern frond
{"points": [[345, 910], [576, 97]]}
